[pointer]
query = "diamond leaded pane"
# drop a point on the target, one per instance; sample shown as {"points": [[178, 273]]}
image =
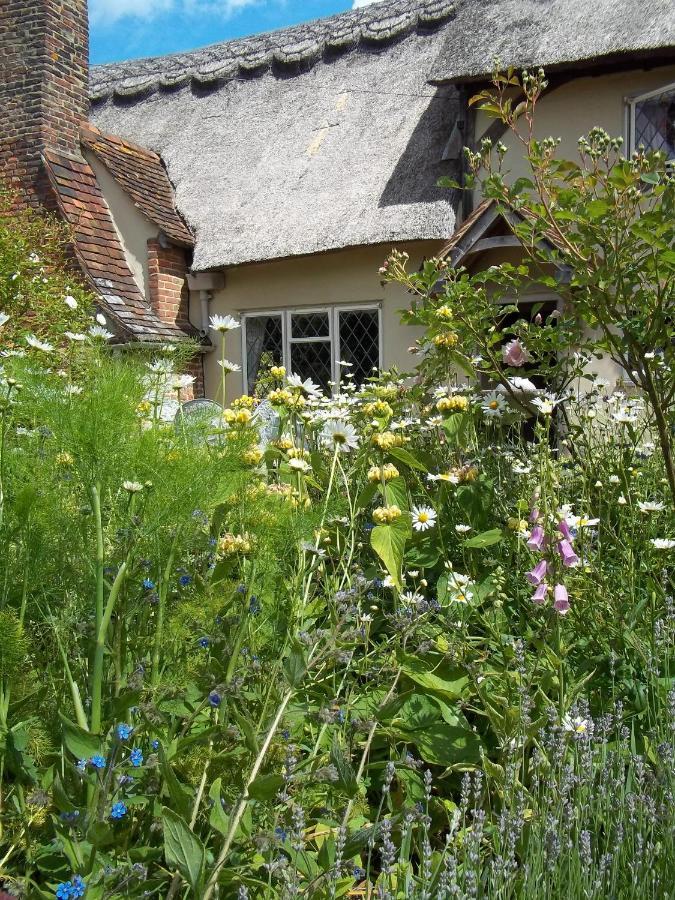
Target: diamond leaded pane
{"points": [[264, 346], [360, 343], [312, 360], [310, 325], [655, 123]]}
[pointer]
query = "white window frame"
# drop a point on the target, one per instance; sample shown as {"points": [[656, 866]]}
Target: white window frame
{"points": [[287, 340], [631, 103]]}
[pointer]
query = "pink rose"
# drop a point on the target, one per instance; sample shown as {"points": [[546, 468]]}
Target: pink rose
{"points": [[515, 354]]}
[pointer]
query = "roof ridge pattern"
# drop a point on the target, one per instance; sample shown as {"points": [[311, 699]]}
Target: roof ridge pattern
{"points": [[287, 51]]}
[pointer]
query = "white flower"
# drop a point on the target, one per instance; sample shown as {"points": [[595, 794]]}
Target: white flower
{"points": [[412, 598], [663, 543], [614, 479], [621, 500], [519, 386], [223, 324], [299, 465], [37, 344], [307, 386], [182, 382], [462, 529], [160, 366], [444, 476], [4, 319], [625, 416], [75, 336], [229, 366], [459, 587], [435, 421], [577, 725], [73, 389], [649, 506], [494, 404], [132, 486], [70, 302], [340, 435], [423, 518], [100, 318], [545, 405], [521, 469], [98, 331]]}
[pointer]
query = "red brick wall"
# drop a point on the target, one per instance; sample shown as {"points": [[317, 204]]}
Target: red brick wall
{"points": [[44, 50]]}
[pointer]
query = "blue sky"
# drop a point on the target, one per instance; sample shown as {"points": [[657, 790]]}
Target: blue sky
{"points": [[125, 29]]}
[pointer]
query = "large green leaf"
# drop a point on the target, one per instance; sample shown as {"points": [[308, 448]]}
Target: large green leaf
{"points": [[446, 745], [389, 541], [180, 796], [217, 817], [485, 539], [434, 674], [182, 849], [82, 744], [407, 458], [395, 493], [295, 666], [264, 787]]}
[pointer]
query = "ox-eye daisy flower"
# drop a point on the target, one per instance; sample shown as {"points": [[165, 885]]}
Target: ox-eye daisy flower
{"points": [[462, 529], [494, 405], [423, 518], [224, 324], [228, 366], [37, 344], [340, 436], [663, 543], [649, 506]]}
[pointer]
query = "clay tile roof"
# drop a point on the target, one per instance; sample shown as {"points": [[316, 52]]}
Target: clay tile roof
{"points": [[142, 176], [100, 254]]}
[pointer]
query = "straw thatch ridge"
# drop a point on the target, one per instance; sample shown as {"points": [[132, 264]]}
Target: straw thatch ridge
{"points": [[335, 139], [554, 34]]}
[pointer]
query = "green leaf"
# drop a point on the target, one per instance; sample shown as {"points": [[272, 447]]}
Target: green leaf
{"points": [[485, 539], [434, 674], [264, 787], [218, 819], [406, 457], [395, 493], [180, 797], [446, 745], [82, 744], [182, 849], [346, 777], [650, 178], [295, 667], [389, 541], [597, 208], [247, 729], [455, 426]]}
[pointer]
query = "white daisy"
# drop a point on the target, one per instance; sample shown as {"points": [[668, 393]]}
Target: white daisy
{"points": [[132, 486], [423, 518], [182, 382], [462, 529], [37, 344], [663, 543], [340, 435], [545, 405], [75, 336], [160, 366], [70, 302], [4, 319], [229, 366], [493, 405], [307, 386], [649, 506], [98, 331], [223, 324]]}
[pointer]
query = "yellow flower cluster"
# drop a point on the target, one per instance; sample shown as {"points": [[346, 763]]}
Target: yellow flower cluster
{"points": [[252, 456], [278, 371], [444, 313], [237, 416], [517, 524], [385, 515], [466, 474], [385, 473], [64, 459], [283, 443], [385, 391], [144, 408], [452, 404], [229, 544], [449, 340], [244, 402], [298, 453], [284, 397], [378, 408], [387, 439]]}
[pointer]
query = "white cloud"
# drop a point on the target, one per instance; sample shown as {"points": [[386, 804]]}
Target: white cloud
{"points": [[357, 4], [107, 12]]}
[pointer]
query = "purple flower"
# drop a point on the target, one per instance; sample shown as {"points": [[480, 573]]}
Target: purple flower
{"points": [[564, 529], [534, 515], [536, 539], [569, 557], [539, 596], [561, 600], [537, 575]]}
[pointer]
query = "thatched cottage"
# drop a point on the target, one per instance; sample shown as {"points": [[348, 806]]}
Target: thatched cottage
{"points": [[268, 177]]}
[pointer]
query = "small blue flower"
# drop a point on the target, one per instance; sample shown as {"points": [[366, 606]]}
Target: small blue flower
{"points": [[280, 833], [241, 589], [119, 810], [155, 745], [79, 887], [124, 731], [204, 642], [81, 765], [184, 580], [254, 605], [136, 757], [359, 873], [368, 527], [214, 699], [148, 584], [98, 761]]}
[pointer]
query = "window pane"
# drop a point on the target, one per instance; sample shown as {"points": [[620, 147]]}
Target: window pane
{"points": [[359, 343], [312, 361], [655, 123], [309, 325], [264, 346]]}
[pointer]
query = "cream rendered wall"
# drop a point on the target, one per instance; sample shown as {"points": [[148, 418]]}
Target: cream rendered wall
{"points": [[571, 111], [133, 227], [336, 278]]}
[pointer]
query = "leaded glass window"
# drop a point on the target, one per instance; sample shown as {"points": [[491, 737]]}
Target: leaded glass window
{"points": [[652, 121]]}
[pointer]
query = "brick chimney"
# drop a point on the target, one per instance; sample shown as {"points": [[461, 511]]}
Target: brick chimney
{"points": [[44, 69]]}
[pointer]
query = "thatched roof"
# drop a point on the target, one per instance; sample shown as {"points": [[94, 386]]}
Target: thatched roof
{"points": [[555, 34], [313, 138]]}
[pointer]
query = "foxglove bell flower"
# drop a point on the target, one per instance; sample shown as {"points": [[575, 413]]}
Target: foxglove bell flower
{"points": [[539, 596], [564, 529], [537, 575], [561, 600], [536, 539], [569, 557]]}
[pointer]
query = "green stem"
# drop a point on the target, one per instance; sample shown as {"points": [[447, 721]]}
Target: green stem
{"points": [[99, 653], [161, 610]]}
